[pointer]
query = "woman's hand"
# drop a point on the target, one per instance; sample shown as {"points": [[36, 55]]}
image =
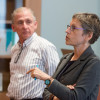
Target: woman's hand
{"points": [[36, 72], [71, 86], [55, 98]]}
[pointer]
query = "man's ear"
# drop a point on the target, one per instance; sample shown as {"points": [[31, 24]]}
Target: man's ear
{"points": [[35, 25], [13, 28]]}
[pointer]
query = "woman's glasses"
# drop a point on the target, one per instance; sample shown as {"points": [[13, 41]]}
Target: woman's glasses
{"points": [[72, 28]]}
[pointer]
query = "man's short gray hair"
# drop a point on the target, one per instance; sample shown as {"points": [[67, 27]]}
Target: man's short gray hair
{"points": [[22, 9]]}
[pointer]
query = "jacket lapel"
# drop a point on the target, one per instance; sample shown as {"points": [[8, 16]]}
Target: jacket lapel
{"points": [[63, 63], [76, 63], [68, 57], [85, 55]]}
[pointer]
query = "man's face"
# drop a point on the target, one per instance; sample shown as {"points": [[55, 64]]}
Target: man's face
{"points": [[24, 25]]}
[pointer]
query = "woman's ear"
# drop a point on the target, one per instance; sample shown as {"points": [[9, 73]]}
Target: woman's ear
{"points": [[90, 35]]}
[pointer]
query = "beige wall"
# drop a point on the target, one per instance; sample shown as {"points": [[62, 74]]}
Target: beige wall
{"points": [[3, 96], [35, 5]]}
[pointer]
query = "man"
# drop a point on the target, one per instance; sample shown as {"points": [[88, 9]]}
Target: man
{"points": [[30, 51]]}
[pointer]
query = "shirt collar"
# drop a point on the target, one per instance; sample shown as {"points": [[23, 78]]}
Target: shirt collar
{"points": [[29, 40]]}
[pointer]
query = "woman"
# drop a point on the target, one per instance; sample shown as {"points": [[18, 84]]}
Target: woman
{"points": [[77, 76]]}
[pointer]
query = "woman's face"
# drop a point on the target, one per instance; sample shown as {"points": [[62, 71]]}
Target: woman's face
{"points": [[75, 36]]}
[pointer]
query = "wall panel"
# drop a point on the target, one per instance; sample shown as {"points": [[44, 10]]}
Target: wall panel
{"points": [[35, 5]]}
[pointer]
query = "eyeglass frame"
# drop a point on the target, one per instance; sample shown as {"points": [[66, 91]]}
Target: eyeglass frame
{"points": [[18, 55], [72, 28]]}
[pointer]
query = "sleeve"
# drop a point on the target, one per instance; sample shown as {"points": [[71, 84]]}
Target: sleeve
{"points": [[87, 84], [51, 59]]}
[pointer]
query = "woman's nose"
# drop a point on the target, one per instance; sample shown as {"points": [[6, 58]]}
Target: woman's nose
{"points": [[68, 30]]}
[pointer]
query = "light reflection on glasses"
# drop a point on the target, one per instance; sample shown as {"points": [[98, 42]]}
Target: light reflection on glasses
{"points": [[72, 28]]}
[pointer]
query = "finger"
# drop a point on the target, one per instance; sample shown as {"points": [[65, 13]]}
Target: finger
{"points": [[29, 71], [32, 75], [74, 84], [70, 86]]}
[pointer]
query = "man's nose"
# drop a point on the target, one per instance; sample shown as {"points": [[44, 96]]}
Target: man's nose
{"points": [[25, 25]]}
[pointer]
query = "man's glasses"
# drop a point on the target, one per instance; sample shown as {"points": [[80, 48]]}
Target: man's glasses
{"points": [[72, 28], [18, 55]]}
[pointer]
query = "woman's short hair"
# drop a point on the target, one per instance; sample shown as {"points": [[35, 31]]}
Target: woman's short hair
{"points": [[90, 23]]}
